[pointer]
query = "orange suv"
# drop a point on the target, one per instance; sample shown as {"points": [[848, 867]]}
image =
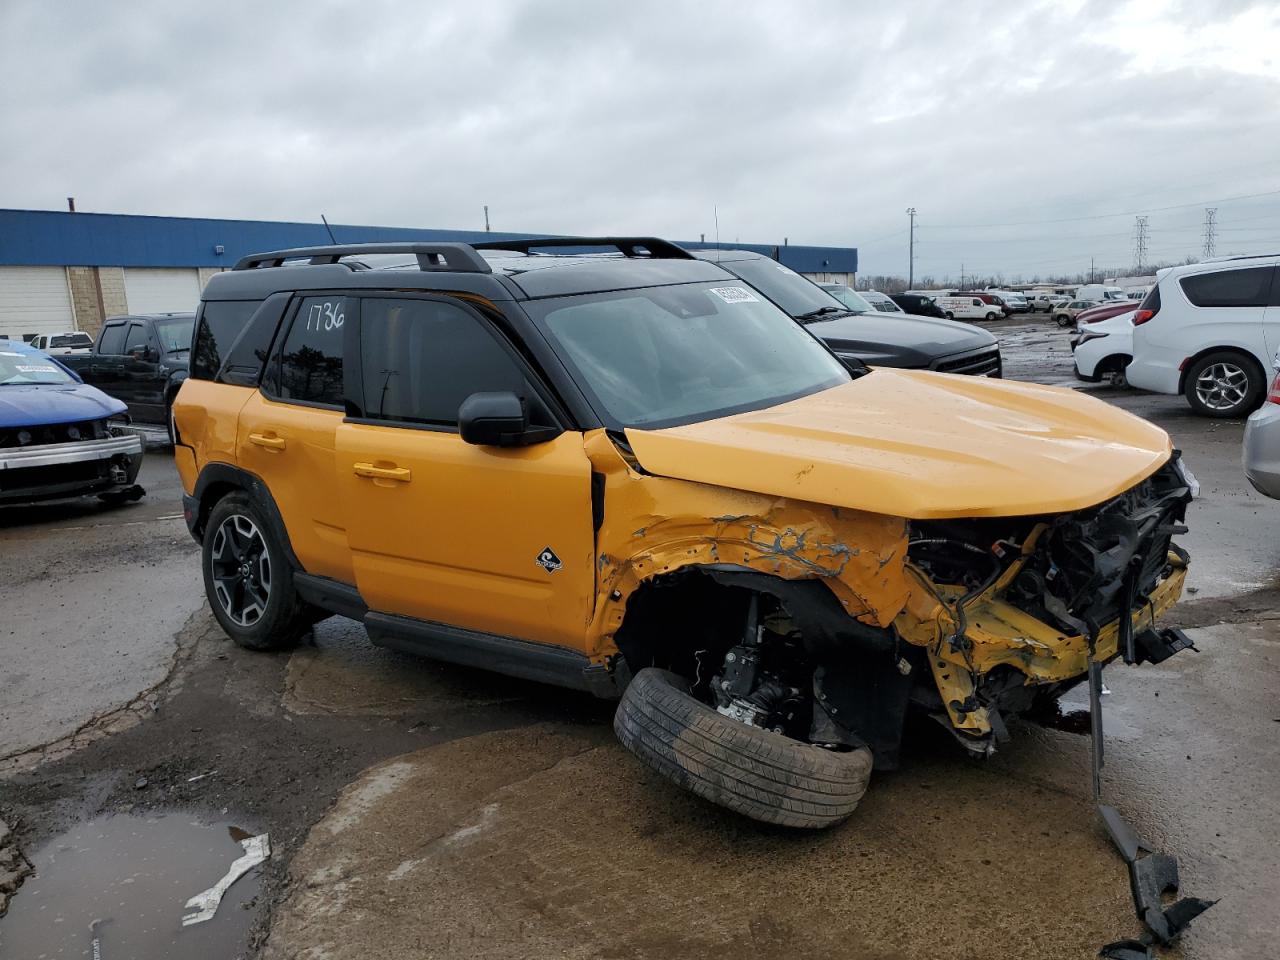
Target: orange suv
{"points": [[606, 464]]}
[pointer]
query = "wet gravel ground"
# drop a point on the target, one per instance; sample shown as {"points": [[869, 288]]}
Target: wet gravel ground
{"points": [[500, 819]]}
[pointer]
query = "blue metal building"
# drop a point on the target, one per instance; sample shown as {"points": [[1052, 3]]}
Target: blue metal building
{"points": [[61, 270]]}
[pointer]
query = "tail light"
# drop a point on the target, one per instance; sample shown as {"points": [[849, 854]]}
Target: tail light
{"points": [[1142, 316], [1274, 395], [1149, 307]]}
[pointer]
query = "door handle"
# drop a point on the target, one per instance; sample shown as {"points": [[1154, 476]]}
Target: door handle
{"points": [[403, 474], [268, 440]]}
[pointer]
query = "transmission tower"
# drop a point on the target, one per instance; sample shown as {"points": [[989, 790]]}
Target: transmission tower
{"points": [[1210, 231], [1139, 244]]}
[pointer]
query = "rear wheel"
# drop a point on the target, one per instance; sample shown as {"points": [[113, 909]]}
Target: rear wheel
{"points": [[1224, 384], [759, 773], [990, 315], [248, 579], [1064, 319]]}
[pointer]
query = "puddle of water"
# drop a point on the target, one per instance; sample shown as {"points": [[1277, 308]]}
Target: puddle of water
{"points": [[123, 881]]}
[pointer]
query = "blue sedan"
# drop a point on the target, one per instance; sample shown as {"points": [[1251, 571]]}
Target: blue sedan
{"points": [[60, 437]]}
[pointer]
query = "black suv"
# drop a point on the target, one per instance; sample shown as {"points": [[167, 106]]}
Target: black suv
{"points": [[874, 338]]}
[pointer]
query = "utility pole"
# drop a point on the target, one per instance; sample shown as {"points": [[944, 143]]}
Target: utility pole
{"points": [[1091, 269], [911, 250], [1210, 231], [1139, 243], [486, 218], [961, 276]]}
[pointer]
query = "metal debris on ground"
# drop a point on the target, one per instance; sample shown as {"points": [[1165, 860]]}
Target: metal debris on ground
{"points": [[205, 904]]}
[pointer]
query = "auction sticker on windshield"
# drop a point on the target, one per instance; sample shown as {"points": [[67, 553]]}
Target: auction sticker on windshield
{"points": [[735, 295]]}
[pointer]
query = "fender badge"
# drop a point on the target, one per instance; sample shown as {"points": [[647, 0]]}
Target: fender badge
{"points": [[548, 560]]}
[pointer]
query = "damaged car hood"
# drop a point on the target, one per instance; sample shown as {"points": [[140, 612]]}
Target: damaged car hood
{"points": [[37, 404], [920, 445]]}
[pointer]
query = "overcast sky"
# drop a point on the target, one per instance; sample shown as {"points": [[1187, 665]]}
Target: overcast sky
{"points": [[820, 122]]}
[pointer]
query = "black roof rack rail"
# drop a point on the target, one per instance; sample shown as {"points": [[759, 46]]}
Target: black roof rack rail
{"points": [[653, 247], [457, 257]]}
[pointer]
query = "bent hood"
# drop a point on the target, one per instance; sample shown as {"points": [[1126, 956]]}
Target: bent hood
{"points": [[899, 339], [38, 404], [919, 445]]}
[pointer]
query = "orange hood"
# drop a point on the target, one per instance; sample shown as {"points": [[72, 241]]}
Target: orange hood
{"points": [[919, 445]]}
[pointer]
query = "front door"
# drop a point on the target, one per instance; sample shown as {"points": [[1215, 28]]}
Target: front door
{"points": [[497, 540]]}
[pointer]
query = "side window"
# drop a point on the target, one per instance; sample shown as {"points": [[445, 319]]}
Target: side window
{"points": [[1230, 288], [137, 337], [112, 342], [311, 358], [217, 327], [977, 303], [421, 358]]}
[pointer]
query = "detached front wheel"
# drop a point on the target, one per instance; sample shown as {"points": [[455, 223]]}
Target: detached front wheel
{"points": [[756, 772]]}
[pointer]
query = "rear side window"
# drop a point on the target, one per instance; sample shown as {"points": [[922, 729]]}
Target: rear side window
{"points": [[112, 341], [419, 359], [217, 327], [310, 368], [1250, 287]]}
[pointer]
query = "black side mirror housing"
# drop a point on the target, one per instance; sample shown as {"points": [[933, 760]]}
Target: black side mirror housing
{"points": [[499, 420]]}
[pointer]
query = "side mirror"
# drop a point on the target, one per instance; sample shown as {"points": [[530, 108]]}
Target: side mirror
{"points": [[499, 420], [143, 354]]}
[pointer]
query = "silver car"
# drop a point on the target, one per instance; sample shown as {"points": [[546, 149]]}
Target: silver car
{"points": [[1261, 454]]}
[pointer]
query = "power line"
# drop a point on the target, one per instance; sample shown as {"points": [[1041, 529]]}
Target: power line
{"points": [[1105, 216]]}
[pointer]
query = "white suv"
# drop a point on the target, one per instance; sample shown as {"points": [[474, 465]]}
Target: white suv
{"points": [[1209, 331]]}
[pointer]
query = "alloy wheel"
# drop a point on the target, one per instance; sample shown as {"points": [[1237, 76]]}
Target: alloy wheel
{"points": [[241, 568], [1222, 386]]}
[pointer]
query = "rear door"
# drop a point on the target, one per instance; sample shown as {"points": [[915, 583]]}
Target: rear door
{"points": [[286, 431], [104, 368], [497, 540]]}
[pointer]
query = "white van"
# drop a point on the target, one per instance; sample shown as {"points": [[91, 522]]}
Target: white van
{"points": [[1100, 292], [1208, 331], [968, 308]]}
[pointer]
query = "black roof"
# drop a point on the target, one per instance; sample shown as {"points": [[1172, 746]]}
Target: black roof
{"points": [[504, 270]]}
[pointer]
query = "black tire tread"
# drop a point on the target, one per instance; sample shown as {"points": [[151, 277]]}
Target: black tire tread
{"points": [[755, 772], [288, 617]]}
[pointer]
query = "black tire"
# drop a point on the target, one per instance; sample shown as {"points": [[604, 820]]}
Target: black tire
{"points": [[949, 315], [990, 315], [755, 772], [281, 617], [1246, 382], [1063, 319]]}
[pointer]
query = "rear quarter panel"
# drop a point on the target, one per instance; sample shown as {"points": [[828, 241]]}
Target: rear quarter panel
{"points": [[206, 415]]}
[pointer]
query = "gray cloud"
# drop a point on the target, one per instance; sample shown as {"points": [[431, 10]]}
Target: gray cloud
{"points": [[818, 121]]}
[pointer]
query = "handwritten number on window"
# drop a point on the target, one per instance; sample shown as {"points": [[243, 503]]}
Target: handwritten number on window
{"points": [[325, 316]]}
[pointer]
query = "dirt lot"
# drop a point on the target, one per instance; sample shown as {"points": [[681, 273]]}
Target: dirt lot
{"points": [[418, 809]]}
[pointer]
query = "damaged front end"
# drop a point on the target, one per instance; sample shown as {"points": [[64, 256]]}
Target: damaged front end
{"points": [[1013, 611]]}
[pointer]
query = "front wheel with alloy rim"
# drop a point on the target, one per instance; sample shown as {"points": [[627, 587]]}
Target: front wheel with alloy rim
{"points": [[1224, 384], [248, 579]]}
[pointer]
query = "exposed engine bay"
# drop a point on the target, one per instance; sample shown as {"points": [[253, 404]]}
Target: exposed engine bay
{"points": [[1009, 614]]}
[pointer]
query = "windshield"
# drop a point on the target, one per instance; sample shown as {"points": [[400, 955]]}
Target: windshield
{"points": [[851, 299], [175, 334], [17, 368], [665, 355], [792, 292]]}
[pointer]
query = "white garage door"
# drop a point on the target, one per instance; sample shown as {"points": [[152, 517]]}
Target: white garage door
{"points": [[34, 300], [161, 291]]}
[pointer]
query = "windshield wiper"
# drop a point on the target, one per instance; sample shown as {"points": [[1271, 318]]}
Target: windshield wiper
{"points": [[819, 314]]}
